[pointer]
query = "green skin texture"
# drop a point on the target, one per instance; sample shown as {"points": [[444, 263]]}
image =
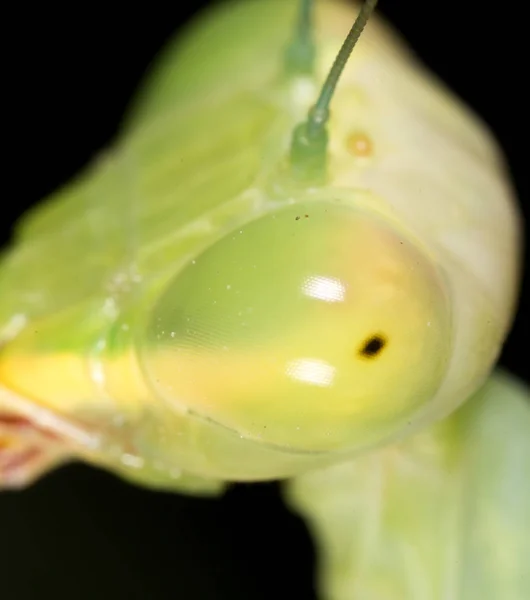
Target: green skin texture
{"points": [[440, 514]]}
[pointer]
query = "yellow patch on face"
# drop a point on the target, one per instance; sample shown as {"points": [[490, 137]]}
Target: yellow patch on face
{"points": [[66, 384]]}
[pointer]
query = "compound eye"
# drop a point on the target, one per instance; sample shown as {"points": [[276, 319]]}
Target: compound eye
{"points": [[317, 327]]}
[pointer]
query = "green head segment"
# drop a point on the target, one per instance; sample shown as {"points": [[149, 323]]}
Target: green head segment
{"points": [[310, 138]]}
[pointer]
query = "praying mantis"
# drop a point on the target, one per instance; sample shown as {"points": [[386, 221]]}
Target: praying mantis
{"points": [[273, 291]]}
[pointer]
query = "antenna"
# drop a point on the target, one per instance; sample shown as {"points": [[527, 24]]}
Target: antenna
{"points": [[300, 54], [310, 138]]}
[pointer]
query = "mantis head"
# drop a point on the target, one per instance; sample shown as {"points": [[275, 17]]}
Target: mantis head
{"points": [[313, 328]]}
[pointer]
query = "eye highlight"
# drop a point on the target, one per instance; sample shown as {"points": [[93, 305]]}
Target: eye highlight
{"points": [[373, 346]]}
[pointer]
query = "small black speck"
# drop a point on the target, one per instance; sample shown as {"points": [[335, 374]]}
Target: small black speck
{"points": [[297, 218], [306, 216], [373, 346]]}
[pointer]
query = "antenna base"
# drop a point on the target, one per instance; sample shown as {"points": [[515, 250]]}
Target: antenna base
{"points": [[309, 153]]}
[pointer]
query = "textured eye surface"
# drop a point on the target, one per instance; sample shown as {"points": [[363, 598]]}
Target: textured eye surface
{"points": [[316, 327]]}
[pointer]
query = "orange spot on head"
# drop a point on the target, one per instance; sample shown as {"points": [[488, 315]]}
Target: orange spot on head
{"points": [[359, 144]]}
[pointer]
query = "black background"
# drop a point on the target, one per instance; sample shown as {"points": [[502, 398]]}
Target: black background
{"points": [[67, 77]]}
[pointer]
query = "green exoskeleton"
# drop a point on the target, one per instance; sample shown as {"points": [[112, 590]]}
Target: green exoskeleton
{"points": [[288, 270]]}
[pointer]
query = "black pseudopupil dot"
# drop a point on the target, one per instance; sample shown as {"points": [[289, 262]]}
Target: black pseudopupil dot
{"points": [[373, 346]]}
